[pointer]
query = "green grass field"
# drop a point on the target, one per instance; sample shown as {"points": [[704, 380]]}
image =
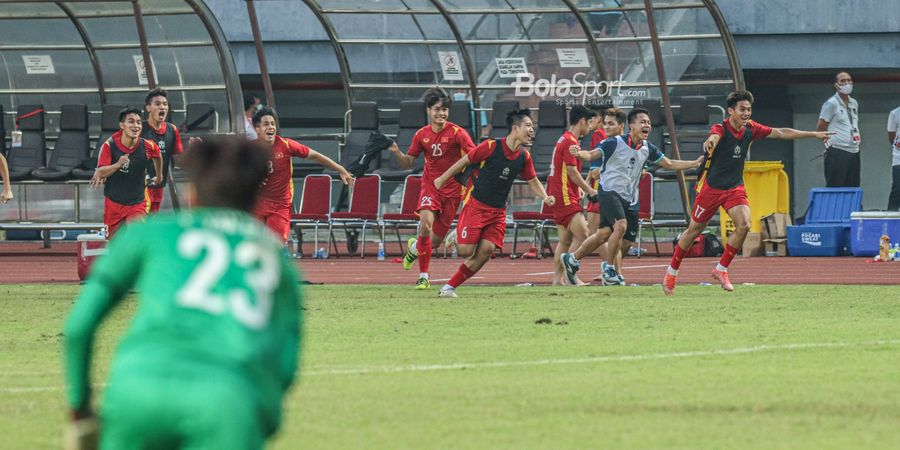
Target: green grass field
{"points": [[800, 367]]}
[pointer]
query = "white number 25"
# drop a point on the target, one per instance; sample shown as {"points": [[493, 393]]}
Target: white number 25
{"points": [[197, 292]]}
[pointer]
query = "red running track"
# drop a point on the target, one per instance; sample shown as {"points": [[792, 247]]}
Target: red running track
{"points": [[29, 263]]}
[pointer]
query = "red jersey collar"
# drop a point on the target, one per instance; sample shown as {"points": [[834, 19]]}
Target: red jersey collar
{"points": [[161, 129], [736, 133], [117, 138], [631, 146]]}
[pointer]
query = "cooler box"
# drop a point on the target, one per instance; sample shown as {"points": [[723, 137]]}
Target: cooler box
{"points": [[89, 247], [817, 240], [866, 229]]}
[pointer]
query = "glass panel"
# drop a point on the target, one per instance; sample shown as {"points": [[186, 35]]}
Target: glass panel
{"points": [[88, 9], [166, 7], [110, 30], [71, 69], [370, 26], [34, 31], [22, 10], [612, 24], [631, 3], [382, 4], [177, 28], [387, 63], [695, 60], [519, 26], [172, 66], [456, 5], [684, 21]]}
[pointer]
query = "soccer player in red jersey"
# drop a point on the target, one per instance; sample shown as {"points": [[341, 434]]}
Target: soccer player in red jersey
{"points": [[277, 193], [482, 222], [721, 183], [565, 184], [613, 123], [443, 143], [166, 137], [125, 183]]}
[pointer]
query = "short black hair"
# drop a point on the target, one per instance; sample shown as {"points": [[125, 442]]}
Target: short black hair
{"points": [[620, 115], [264, 111], [249, 99], [836, 75], [436, 95], [155, 92], [738, 96], [634, 113], [579, 112], [599, 110], [227, 171], [124, 112], [516, 117]]}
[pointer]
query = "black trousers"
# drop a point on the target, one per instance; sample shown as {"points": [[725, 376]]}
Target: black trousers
{"points": [[894, 199], [841, 168]]}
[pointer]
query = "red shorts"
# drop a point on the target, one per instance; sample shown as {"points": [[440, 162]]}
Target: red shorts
{"points": [[563, 215], [479, 222], [593, 207], [276, 216], [444, 206], [156, 198], [115, 215], [708, 201]]}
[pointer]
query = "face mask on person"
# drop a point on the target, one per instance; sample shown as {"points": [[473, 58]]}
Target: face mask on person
{"points": [[845, 89], [459, 96]]}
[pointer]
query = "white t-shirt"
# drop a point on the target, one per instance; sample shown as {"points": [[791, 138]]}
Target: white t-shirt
{"points": [[894, 125], [843, 122], [248, 127]]}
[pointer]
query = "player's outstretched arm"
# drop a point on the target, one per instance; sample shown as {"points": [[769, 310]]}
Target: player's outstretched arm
{"points": [[405, 161], [677, 164], [158, 165], [790, 133], [456, 168], [111, 278], [329, 163], [538, 189], [7, 194]]}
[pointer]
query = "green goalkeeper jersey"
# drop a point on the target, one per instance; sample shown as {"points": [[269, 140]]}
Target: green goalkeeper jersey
{"points": [[216, 293]]}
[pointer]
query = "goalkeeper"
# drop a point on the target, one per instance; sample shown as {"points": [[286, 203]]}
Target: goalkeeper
{"points": [[213, 345]]}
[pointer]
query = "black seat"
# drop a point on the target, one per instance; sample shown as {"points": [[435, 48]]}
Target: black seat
{"points": [[498, 117], [33, 152], [109, 124], [461, 114], [71, 146], [412, 117], [551, 125], [363, 121], [692, 128]]}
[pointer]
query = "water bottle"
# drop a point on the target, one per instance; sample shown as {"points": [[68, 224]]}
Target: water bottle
{"points": [[454, 253], [380, 251], [320, 254]]}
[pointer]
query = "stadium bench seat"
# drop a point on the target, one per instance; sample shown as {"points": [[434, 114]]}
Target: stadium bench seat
{"points": [[109, 124], [538, 221], [551, 124], [71, 145], [407, 217], [365, 203], [461, 114], [315, 209], [33, 152], [498, 117], [412, 117]]}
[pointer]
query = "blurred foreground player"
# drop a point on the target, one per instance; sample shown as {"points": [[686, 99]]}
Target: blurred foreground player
{"points": [[721, 184], [213, 346], [482, 222]]}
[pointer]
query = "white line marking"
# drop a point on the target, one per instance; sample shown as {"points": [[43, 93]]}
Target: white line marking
{"points": [[542, 362], [447, 279], [626, 269], [539, 273]]}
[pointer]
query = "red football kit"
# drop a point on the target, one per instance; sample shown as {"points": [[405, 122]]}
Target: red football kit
{"points": [[125, 190], [559, 185], [273, 206]]}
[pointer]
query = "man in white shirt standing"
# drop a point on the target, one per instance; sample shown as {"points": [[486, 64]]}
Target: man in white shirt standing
{"points": [[840, 116], [893, 126], [251, 105]]}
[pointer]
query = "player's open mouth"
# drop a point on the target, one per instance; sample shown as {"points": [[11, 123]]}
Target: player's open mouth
{"points": [[162, 115], [270, 134]]}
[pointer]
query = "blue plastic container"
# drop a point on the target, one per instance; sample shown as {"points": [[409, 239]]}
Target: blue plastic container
{"points": [[817, 240], [866, 229]]}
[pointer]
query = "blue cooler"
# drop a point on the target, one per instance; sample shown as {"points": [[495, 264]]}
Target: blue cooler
{"points": [[827, 228], [817, 240], [866, 229]]}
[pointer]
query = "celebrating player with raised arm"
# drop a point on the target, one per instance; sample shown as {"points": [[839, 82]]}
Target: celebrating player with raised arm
{"points": [[721, 183], [277, 193], [623, 163], [442, 143], [482, 222], [565, 184], [213, 346]]}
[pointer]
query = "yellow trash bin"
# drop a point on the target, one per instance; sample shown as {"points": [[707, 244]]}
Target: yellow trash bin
{"points": [[768, 191]]}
